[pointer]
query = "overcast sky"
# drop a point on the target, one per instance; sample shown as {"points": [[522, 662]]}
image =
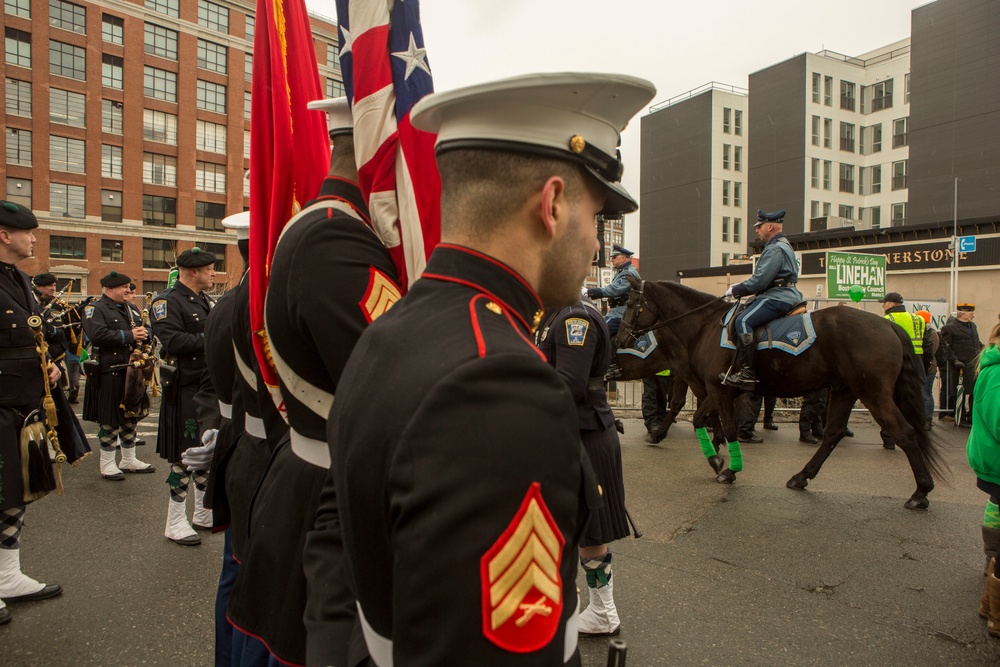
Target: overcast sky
{"points": [[676, 45]]}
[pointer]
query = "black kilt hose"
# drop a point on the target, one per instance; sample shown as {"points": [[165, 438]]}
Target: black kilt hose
{"points": [[109, 327], [576, 341]]}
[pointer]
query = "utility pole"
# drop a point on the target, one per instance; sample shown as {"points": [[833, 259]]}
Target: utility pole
{"points": [[953, 291]]}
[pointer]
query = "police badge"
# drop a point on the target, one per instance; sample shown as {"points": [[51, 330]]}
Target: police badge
{"points": [[159, 309], [576, 331], [88, 311]]}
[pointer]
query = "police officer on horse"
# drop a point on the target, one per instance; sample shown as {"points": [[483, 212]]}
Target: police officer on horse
{"points": [[773, 281], [617, 292]]}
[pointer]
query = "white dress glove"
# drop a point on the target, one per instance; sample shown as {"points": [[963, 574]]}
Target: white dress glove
{"points": [[200, 458], [729, 292]]}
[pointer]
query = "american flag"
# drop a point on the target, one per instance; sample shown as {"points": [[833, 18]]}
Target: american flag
{"points": [[386, 72], [289, 146]]}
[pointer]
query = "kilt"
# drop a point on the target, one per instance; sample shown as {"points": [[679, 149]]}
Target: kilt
{"points": [[11, 483], [102, 404], [609, 523], [178, 427]]}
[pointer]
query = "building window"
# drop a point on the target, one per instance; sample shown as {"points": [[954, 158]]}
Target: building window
{"points": [[212, 56], [67, 201], [246, 181], [827, 133], [159, 83], [738, 158], [248, 67], [208, 216], [67, 154], [898, 214], [815, 131], [847, 212], [113, 29], [251, 25], [112, 71], [67, 60], [210, 177], [738, 122], [727, 115], [68, 16], [737, 194], [159, 211], [211, 137], [873, 216], [219, 250], [899, 170], [111, 161], [111, 209], [160, 41], [876, 179], [211, 96], [154, 287], [17, 8], [159, 169], [815, 173], [335, 88], [828, 91], [813, 209], [213, 16], [847, 137], [111, 116], [899, 132], [159, 126], [332, 56], [816, 84], [68, 247], [18, 146], [246, 105], [67, 108], [111, 250], [906, 88], [726, 159], [847, 97], [725, 193], [17, 47], [827, 168], [737, 230], [882, 95], [246, 144], [847, 178], [725, 259], [168, 7], [18, 98], [871, 139], [826, 209], [157, 254], [725, 228], [19, 191]]}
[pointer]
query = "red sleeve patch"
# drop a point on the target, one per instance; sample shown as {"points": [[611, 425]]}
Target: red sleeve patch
{"points": [[381, 294], [521, 585]]}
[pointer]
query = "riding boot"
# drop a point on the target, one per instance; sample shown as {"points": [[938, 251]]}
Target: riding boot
{"points": [[984, 602], [744, 378], [16, 586], [769, 424]]}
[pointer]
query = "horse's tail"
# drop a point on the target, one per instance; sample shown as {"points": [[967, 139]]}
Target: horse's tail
{"points": [[909, 398]]}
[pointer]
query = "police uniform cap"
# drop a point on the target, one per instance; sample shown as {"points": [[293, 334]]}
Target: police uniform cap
{"points": [[338, 115], [967, 307], [892, 297], [576, 117], [115, 279], [195, 258], [240, 222], [619, 250], [43, 280], [15, 216], [762, 217]]}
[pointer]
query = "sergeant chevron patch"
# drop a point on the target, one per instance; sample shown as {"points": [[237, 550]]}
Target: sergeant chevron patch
{"points": [[521, 584], [380, 296]]}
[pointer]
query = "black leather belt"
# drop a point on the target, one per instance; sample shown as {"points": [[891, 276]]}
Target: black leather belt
{"points": [[781, 282], [10, 353]]}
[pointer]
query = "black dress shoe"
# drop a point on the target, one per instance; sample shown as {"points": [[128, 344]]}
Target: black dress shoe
{"points": [[848, 433], [4, 616], [50, 591], [965, 424], [769, 425], [752, 438], [140, 443], [808, 438]]}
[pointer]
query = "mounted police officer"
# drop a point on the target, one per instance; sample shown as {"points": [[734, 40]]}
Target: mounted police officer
{"points": [[773, 281], [617, 292], [114, 330], [179, 315]]}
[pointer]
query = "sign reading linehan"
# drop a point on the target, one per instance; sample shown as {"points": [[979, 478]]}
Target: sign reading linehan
{"points": [[846, 269]]}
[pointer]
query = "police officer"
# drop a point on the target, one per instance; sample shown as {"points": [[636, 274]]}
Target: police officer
{"points": [[114, 330], [617, 292], [577, 343], [462, 485], [962, 336], [179, 315], [773, 281], [21, 391], [53, 311], [914, 326]]}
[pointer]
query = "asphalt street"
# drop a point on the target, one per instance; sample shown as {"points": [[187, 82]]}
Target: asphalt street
{"points": [[749, 574]]}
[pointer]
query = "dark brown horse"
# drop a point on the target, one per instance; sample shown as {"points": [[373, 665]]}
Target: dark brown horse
{"points": [[857, 354]]}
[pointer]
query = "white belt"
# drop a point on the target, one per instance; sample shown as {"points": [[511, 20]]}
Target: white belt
{"points": [[312, 451], [255, 427], [380, 648], [226, 409]]}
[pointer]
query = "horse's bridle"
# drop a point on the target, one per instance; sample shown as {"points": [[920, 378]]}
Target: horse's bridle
{"points": [[629, 325]]}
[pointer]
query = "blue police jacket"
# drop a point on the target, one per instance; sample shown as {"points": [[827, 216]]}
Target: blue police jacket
{"points": [[775, 275], [617, 292]]}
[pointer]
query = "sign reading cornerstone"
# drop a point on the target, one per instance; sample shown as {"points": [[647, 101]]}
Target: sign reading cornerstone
{"points": [[847, 269], [919, 256]]}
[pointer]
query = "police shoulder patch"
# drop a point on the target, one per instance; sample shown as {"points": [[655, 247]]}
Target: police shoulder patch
{"points": [[159, 309], [521, 584], [576, 331], [88, 311]]}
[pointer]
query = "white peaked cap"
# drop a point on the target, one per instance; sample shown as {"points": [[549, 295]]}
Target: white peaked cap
{"points": [[338, 114], [240, 222]]}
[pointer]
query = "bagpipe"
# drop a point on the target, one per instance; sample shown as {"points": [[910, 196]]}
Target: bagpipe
{"points": [[140, 371]]}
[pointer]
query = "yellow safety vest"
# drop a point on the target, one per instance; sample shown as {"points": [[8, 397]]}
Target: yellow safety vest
{"points": [[665, 373], [914, 327]]}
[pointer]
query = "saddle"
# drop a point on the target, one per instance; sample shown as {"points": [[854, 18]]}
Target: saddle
{"points": [[792, 333], [729, 319]]}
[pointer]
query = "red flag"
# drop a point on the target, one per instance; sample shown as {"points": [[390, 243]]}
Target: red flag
{"points": [[289, 146]]}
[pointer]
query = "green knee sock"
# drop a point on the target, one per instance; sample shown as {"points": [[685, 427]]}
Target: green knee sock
{"points": [[735, 457], [991, 519], [706, 442]]}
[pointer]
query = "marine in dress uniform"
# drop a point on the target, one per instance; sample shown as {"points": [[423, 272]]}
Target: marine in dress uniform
{"points": [[21, 390], [114, 329], [577, 343], [330, 277], [462, 485], [773, 281], [617, 291], [179, 316]]}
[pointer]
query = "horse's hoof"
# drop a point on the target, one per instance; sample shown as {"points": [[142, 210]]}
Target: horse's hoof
{"points": [[917, 504], [727, 476], [717, 463], [652, 439], [797, 482]]}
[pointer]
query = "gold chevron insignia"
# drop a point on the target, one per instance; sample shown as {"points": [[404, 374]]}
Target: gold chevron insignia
{"points": [[381, 294]]}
